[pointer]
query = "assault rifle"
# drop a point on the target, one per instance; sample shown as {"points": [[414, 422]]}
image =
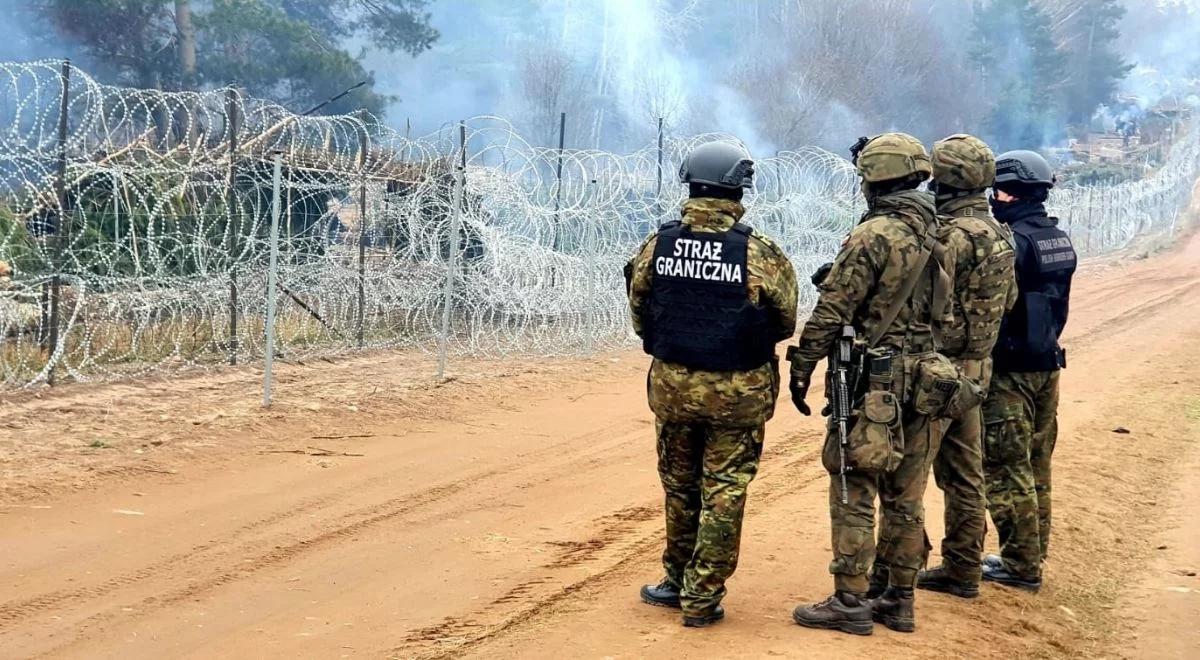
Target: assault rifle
{"points": [[840, 379]]}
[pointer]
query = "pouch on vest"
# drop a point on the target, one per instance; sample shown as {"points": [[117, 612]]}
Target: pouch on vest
{"points": [[936, 384], [875, 442], [985, 302]]}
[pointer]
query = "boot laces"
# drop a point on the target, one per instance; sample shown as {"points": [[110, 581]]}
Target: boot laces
{"points": [[828, 602]]}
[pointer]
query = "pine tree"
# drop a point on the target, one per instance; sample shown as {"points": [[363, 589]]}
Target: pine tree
{"points": [[291, 51], [1022, 70], [1088, 34]]}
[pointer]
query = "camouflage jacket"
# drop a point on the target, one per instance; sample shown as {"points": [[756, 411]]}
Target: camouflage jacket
{"points": [[733, 398], [985, 287], [868, 274]]}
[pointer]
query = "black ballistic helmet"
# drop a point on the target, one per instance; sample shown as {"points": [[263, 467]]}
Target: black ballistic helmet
{"points": [[719, 164], [1023, 168]]}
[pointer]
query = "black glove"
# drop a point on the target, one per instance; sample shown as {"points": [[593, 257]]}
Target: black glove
{"points": [[799, 388], [818, 277]]}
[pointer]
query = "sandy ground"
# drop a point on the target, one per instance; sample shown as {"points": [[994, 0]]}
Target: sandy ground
{"points": [[515, 510]]}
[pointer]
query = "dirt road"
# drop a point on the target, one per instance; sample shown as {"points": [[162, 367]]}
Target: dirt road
{"points": [[515, 511]]}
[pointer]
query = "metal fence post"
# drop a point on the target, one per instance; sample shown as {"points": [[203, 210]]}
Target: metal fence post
{"points": [[362, 234], [452, 261], [63, 231], [1109, 213], [116, 208], [562, 142], [233, 217], [658, 207], [272, 281], [1090, 226]]}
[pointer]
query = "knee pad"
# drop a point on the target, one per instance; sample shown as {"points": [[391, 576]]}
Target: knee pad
{"points": [[851, 545]]}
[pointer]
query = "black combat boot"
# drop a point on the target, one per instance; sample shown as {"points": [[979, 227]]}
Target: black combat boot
{"points": [[894, 609], [993, 560], [940, 579], [663, 594], [1001, 575], [879, 581], [842, 611], [704, 620]]}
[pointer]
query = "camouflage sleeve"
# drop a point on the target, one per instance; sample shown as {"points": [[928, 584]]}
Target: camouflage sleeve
{"points": [[956, 261], [778, 286], [1010, 299], [638, 281], [854, 274]]}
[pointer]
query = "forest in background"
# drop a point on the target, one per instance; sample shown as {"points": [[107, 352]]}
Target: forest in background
{"points": [[779, 74]]}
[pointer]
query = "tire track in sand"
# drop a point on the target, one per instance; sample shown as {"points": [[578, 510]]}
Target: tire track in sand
{"points": [[620, 541], [224, 550]]}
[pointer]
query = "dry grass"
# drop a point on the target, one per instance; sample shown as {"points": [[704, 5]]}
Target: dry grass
{"points": [[106, 349]]}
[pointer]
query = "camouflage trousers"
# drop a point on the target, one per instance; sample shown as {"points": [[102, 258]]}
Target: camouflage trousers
{"points": [[958, 471], [705, 470], [902, 548], [1020, 430]]}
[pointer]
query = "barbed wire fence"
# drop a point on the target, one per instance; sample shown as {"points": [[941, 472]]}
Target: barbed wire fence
{"points": [[137, 224]]}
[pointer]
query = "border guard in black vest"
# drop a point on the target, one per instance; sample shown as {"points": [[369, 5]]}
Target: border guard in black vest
{"points": [[710, 297], [1020, 413]]}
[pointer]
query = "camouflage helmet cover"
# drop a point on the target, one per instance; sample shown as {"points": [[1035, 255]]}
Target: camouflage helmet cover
{"points": [[964, 162], [892, 156], [721, 164]]}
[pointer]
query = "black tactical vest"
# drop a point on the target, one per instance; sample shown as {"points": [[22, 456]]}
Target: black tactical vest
{"points": [[699, 313], [1029, 334]]}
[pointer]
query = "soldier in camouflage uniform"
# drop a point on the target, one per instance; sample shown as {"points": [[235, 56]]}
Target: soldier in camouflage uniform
{"points": [[885, 285], [1020, 413], [984, 288], [710, 298]]}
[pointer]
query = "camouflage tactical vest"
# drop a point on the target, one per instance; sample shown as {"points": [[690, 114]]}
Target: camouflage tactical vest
{"points": [[981, 297]]}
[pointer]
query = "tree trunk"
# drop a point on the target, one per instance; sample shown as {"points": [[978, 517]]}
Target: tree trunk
{"points": [[187, 43]]}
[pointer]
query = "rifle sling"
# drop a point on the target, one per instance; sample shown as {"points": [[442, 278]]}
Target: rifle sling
{"points": [[905, 294]]}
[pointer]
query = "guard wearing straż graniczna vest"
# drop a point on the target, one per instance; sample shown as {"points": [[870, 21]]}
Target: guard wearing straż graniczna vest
{"points": [[710, 298]]}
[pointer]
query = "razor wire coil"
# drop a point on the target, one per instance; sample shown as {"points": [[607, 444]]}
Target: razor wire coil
{"points": [[155, 250]]}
